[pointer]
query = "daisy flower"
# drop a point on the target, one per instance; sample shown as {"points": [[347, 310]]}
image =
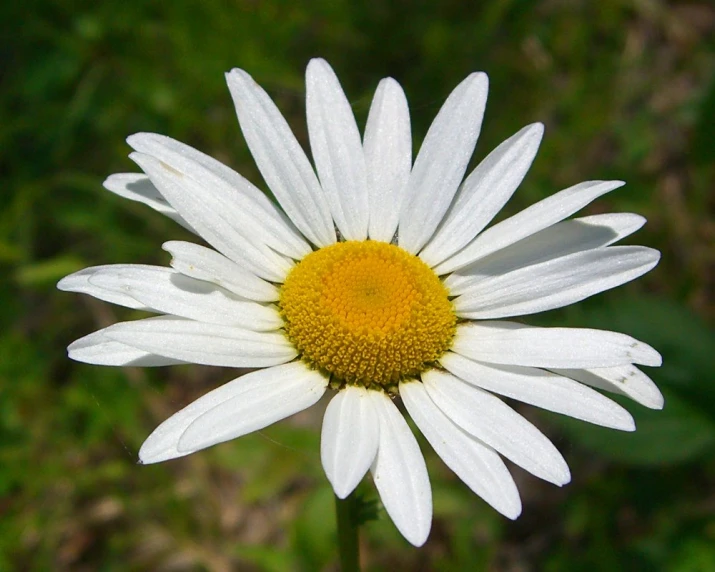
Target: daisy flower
{"points": [[374, 277]]}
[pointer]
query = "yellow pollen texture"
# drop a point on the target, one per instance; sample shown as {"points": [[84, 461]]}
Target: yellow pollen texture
{"points": [[367, 312]]}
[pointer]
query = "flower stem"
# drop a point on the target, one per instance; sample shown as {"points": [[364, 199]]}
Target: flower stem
{"points": [[346, 512]]}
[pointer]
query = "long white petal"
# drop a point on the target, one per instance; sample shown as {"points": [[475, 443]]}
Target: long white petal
{"points": [[212, 215], [98, 349], [487, 418], [388, 157], [626, 379], [206, 264], [168, 291], [542, 389], [442, 161], [400, 473], [508, 343], [79, 282], [531, 220], [249, 208], [554, 283], [484, 193], [349, 439], [479, 466], [201, 343], [564, 238], [254, 400], [139, 188], [337, 150], [257, 400], [281, 159]]}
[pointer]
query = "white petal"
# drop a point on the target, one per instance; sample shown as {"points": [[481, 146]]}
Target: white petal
{"points": [[388, 157], [487, 418], [213, 215], [442, 161], [280, 159], [165, 290], [554, 283], [626, 379], [97, 349], [484, 193], [337, 150], [250, 402], [349, 439], [479, 466], [206, 344], [79, 282], [206, 264], [543, 389], [564, 238], [537, 217], [248, 208], [137, 187], [509, 343], [257, 400], [400, 473]]}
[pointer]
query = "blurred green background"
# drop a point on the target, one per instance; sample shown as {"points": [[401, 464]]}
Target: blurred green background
{"points": [[626, 90]]}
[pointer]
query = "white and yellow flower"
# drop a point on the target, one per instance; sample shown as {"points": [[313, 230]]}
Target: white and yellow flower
{"points": [[375, 278]]}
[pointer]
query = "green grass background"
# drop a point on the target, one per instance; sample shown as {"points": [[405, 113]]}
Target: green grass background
{"points": [[626, 90]]}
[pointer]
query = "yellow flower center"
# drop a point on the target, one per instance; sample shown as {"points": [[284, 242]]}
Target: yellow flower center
{"points": [[367, 312]]}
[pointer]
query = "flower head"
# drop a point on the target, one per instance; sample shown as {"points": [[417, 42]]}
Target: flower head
{"points": [[375, 278]]}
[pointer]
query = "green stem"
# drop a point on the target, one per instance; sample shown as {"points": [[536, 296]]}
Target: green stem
{"points": [[346, 512]]}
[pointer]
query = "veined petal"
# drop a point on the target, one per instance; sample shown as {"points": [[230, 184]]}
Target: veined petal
{"points": [[280, 159], [508, 343], [79, 282], [165, 290], [97, 349], [626, 379], [211, 215], [349, 440], [388, 157], [563, 238], [479, 466], [246, 404], [484, 193], [206, 264], [554, 283], [400, 473], [259, 399], [139, 188], [250, 210], [531, 220], [337, 150], [543, 389], [201, 343], [442, 161], [487, 418]]}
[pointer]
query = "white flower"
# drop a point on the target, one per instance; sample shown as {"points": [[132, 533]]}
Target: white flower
{"points": [[375, 278]]}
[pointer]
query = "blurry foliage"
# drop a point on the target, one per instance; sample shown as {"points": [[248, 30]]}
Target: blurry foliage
{"points": [[626, 90]]}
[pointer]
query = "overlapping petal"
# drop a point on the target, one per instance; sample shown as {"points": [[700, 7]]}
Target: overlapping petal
{"points": [[238, 407], [478, 465], [349, 440], [400, 473], [484, 193], [442, 161], [280, 159], [508, 343], [388, 157], [203, 343], [337, 150]]}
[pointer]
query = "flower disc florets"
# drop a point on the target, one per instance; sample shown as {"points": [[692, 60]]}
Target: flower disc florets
{"points": [[367, 312]]}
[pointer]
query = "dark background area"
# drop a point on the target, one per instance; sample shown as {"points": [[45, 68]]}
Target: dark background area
{"points": [[626, 91]]}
